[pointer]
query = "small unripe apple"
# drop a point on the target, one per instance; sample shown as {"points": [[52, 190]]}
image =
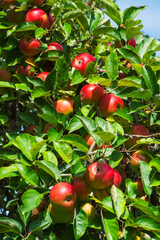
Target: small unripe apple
{"points": [[89, 210], [64, 105], [99, 175], [137, 156], [38, 17], [63, 197], [42, 75], [117, 178], [25, 71], [132, 42], [80, 62], [5, 75], [81, 188], [29, 47], [54, 46], [91, 93], [61, 217], [109, 104]]}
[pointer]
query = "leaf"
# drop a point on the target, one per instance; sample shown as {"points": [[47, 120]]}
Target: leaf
{"points": [[27, 26], [143, 47], [80, 224], [10, 171], [10, 225], [102, 31], [28, 174], [62, 77], [111, 65], [36, 148], [88, 123], [107, 137], [131, 188], [150, 79], [129, 55], [40, 92], [76, 77], [49, 156], [39, 33], [147, 223], [64, 150], [24, 216], [132, 12], [107, 203], [145, 170], [31, 199], [49, 167], [76, 141], [118, 200], [115, 158], [72, 14], [95, 18], [23, 86], [128, 83], [124, 113], [6, 84], [155, 163], [83, 22], [136, 93], [110, 225], [74, 124]]}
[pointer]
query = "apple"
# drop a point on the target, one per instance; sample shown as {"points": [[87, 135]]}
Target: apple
{"points": [[7, 3], [136, 130], [31, 129], [15, 16], [99, 175], [5, 75], [140, 189], [29, 47], [50, 21], [47, 127], [42, 75], [81, 188], [25, 71], [100, 193], [117, 178], [132, 42], [61, 217], [64, 105], [137, 156], [89, 140], [62, 197], [121, 75], [54, 46], [38, 17], [89, 210], [109, 104], [37, 3], [91, 93], [80, 62]]}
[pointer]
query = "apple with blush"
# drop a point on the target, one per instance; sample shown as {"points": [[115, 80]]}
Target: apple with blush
{"points": [[140, 189], [42, 75], [29, 47], [5, 75], [137, 156], [81, 188], [91, 94], [54, 46], [132, 42], [38, 17], [64, 105], [117, 178], [25, 71], [50, 21], [80, 62]]}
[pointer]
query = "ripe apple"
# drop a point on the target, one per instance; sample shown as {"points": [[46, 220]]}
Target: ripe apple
{"points": [[50, 21], [80, 62], [81, 188], [63, 197], [140, 189], [136, 130], [61, 217], [37, 3], [25, 71], [117, 178], [109, 104], [132, 42], [99, 175], [54, 46], [89, 140], [5, 75], [15, 16], [91, 93], [89, 210], [29, 47], [121, 75], [64, 105], [42, 75], [38, 17], [137, 156]]}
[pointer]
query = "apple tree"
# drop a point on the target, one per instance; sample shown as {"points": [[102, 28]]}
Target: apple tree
{"points": [[79, 122]]}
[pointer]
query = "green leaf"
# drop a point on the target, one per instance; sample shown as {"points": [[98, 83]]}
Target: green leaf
{"points": [[111, 65], [8, 155], [83, 22], [49, 156], [147, 223], [102, 31], [10, 171], [80, 224], [64, 150], [128, 83], [132, 12], [3, 118], [28, 174], [95, 19], [72, 14], [138, 93], [143, 47], [39, 33], [115, 158], [131, 188], [10, 225], [132, 31], [146, 170], [110, 225], [40, 92], [88, 123], [107, 203], [124, 113], [24, 216], [27, 26], [49, 167], [74, 124], [76, 141], [23, 86], [6, 84], [62, 77], [118, 200], [107, 137], [51, 55], [155, 163], [150, 79], [31, 199], [76, 77], [36, 148], [129, 55]]}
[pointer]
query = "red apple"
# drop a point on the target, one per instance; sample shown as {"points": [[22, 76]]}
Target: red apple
{"points": [[37, 16], [89, 140], [50, 21], [25, 71], [91, 93], [137, 156], [64, 105], [61, 217], [80, 62], [99, 175], [31, 129], [117, 178], [42, 75], [29, 47], [54, 46], [140, 189], [81, 188], [109, 104], [132, 42], [15, 16], [121, 75], [37, 3], [5, 75], [63, 197]]}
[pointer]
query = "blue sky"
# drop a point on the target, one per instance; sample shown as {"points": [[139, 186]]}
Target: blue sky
{"points": [[150, 16]]}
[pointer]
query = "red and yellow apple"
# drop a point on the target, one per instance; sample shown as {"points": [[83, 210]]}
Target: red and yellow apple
{"points": [[91, 93], [29, 47], [81, 188], [38, 17], [80, 62], [64, 105], [89, 210], [42, 75]]}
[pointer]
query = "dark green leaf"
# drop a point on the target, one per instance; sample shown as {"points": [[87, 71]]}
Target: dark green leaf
{"points": [[111, 65], [28, 174], [118, 200], [31, 199], [115, 158], [107, 203], [77, 78], [64, 150], [80, 224], [146, 177], [132, 12], [49, 167], [129, 55], [10, 171], [110, 225], [150, 79], [9, 225]]}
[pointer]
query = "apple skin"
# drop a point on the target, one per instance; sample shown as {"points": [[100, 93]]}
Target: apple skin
{"points": [[50, 21], [80, 61], [54, 46], [121, 75], [109, 104], [137, 156], [38, 17], [91, 93], [37, 3], [140, 189], [89, 140], [136, 130], [14, 16], [61, 217], [89, 210], [63, 197], [81, 188], [5, 75], [100, 193], [29, 47], [117, 178], [132, 42], [47, 127], [64, 105], [25, 71], [42, 75], [99, 175]]}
